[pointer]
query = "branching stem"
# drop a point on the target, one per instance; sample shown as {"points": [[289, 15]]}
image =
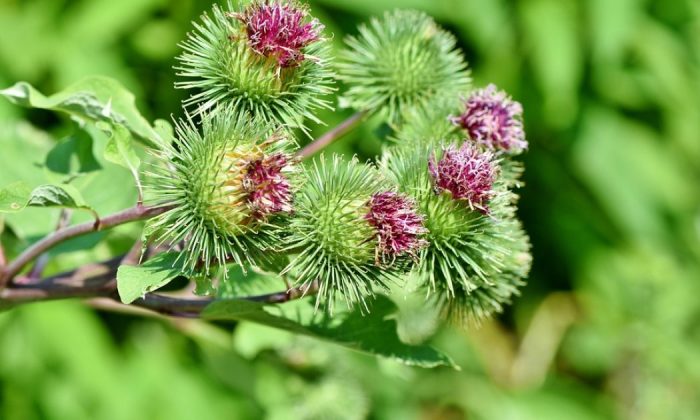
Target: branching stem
{"points": [[62, 235], [98, 281]]}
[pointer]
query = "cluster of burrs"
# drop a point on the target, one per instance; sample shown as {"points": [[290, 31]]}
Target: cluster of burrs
{"points": [[437, 205]]}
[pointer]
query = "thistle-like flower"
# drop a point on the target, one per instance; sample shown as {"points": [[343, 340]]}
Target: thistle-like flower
{"points": [[399, 62], [226, 185], [280, 31], [494, 120], [399, 226], [473, 262], [336, 242], [467, 173], [268, 59]]}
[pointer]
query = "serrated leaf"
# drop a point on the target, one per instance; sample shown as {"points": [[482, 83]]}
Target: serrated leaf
{"points": [[95, 98], [135, 281], [374, 333]]}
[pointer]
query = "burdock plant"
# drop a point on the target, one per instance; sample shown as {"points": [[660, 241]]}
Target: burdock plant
{"points": [[230, 191], [494, 120]]}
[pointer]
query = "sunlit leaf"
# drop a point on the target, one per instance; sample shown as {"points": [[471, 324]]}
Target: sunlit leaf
{"points": [[373, 333], [95, 98], [120, 150], [13, 197], [17, 196], [135, 281]]}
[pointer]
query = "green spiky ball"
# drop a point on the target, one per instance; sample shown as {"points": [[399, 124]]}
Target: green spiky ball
{"points": [[399, 62], [203, 178], [429, 124], [337, 247]]}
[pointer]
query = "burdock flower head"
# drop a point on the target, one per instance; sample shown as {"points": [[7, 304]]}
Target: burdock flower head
{"points": [[466, 173], [494, 120], [399, 226], [226, 184], [279, 30], [473, 261], [337, 240], [267, 58]]}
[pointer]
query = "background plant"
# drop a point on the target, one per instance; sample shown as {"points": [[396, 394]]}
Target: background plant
{"points": [[609, 201]]}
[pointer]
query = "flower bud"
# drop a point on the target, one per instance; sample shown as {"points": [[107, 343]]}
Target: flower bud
{"points": [[474, 261], [336, 239], [399, 62], [279, 31]]}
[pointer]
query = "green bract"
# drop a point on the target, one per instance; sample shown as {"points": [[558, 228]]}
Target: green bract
{"points": [[204, 179], [219, 64], [401, 61], [336, 245], [474, 262]]}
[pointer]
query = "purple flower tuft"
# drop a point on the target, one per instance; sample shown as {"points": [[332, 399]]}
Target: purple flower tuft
{"points": [[268, 189], [398, 224], [494, 120], [467, 173], [278, 30]]}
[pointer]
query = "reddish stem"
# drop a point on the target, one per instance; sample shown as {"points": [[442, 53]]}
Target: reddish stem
{"points": [[62, 235], [331, 136]]}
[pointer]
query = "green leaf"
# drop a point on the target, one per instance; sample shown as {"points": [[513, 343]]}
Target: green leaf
{"points": [[165, 130], [17, 196], [14, 197], [20, 139], [55, 196], [374, 333], [120, 150], [92, 99], [73, 155], [135, 281]]}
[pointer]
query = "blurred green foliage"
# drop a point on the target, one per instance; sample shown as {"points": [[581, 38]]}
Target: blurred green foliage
{"points": [[607, 327]]}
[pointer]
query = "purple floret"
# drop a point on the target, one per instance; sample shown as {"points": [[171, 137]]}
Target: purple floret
{"points": [[399, 226], [494, 120], [278, 29], [269, 190], [466, 173]]}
